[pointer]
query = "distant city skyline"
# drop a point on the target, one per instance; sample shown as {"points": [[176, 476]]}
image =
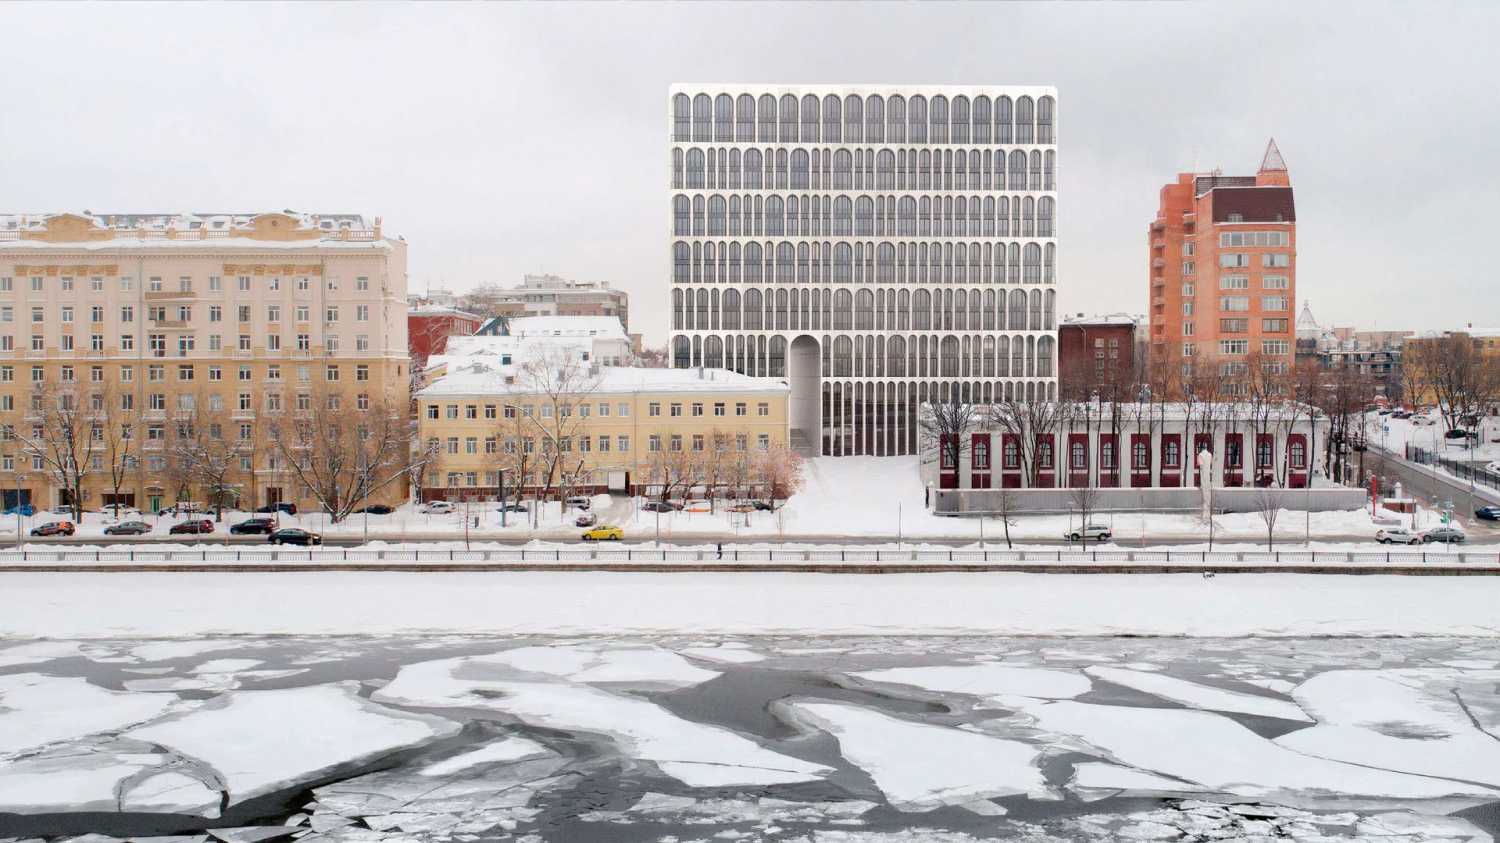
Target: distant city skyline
{"points": [[507, 139]]}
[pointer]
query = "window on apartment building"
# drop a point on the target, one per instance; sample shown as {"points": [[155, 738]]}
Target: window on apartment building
{"points": [[653, 409], [67, 283], [1234, 346], [653, 442], [697, 408], [7, 314], [1233, 260], [38, 314], [1274, 326], [96, 342], [763, 409], [304, 342], [361, 313], [96, 313], [331, 313], [362, 283], [1277, 260], [273, 342], [273, 373], [331, 344], [1187, 329], [304, 313], [675, 442], [1234, 304], [304, 283], [244, 283], [67, 342], [127, 374], [1276, 347], [7, 284], [1189, 349], [1274, 282], [624, 410], [184, 373], [1188, 267], [1234, 326], [1273, 303], [362, 342], [1187, 308], [624, 444]]}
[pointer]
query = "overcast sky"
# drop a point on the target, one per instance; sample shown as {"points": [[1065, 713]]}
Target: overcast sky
{"points": [[511, 138]]}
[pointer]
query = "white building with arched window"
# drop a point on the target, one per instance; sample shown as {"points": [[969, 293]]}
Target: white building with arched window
{"points": [[878, 247]]}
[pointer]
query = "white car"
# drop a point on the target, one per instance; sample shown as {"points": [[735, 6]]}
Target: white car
{"points": [[1090, 532], [1397, 535], [438, 508], [1493, 468], [1422, 421]]}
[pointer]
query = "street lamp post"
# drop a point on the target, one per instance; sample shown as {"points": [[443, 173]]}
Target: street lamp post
{"points": [[20, 478]]}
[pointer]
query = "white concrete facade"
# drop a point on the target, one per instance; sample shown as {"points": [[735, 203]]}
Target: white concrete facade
{"points": [[878, 246]]}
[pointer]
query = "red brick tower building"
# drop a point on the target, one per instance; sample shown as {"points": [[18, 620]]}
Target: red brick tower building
{"points": [[1223, 273]]}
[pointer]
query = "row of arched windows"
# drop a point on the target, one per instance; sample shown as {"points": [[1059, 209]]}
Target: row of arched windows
{"points": [[863, 263], [856, 119], [879, 356], [863, 169], [863, 310], [863, 216]]}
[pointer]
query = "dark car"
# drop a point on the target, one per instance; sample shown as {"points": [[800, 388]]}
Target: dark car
{"points": [[764, 506], [1446, 535], [53, 528], [1488, 513], [193, 527], [659, 506], [375, 509], [1456, 433], [294, 535], [253, 526], [285, 507], [128, 528], [588, 519], [512, 507]]}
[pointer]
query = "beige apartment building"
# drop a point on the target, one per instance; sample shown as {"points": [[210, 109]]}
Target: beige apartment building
{"points": [[615, 428], [162, 325]]}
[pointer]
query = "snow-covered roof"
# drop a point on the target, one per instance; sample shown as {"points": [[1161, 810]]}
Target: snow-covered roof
{"points": [[115, 244], [124, 231], [567, 326], [214, 221], [1104, 319], [485, 377], [440, 310]]}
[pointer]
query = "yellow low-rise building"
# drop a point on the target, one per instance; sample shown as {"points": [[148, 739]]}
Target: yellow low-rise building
{"points": [[581, 429]]}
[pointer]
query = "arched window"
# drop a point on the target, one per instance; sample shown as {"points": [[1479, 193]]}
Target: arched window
{"points": [[1017, 321], [885, 264], [938, 124], [982, 118], [874, 119], [1049, 261], [731, 308], [744, 118], [780, 182], [1017, 170], [700, 215], [916, 121], [1044, 210], [677, 168], [788, 118], [1049, 310], [695, 169], [799, 169], [702, 118], [1044, 120], [1049, 171], [809, 119], [906, 215], [682, 224], [843, 170], [1002, 357], [1036, 170], [723, 118], [864, 311], [1032, 264], [843, 262], [895, 357], [843, 353], [843, 217], [895, 119], [885, 170], [1035, 322], [785, 263], [702, 322], [681, 353], [1024, 120], [677, 310], [710, 269], [717, 216], [832, 117], [1002, 120], [1044, 357], [775, 211], [766, 126], [753, 306], [921, 311], [713, 353], [949, 353], [752, 264], [864, 217], [1028, 214], [960, 119], [854, 119], [753, 169], [682, 121]]}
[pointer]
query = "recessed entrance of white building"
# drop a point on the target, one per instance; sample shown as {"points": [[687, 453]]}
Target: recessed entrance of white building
{"points": [[805, 376]]}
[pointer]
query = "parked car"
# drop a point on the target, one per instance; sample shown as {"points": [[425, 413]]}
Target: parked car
{"points": [[1493, 468], [285, 507], [1446, 535], [1422, 421], [53, 528], [120, 512], [1456, 433], [1397, 535], [743, 506], [598, 534], [128, 528], [659, 506], [580, 502], [764, 506], [375, 509], [25, 509], [183, 508], [61, 509], [254, 526], [1488, 513], [438, 508], [512, 507], [1089, 532], [193, 526], [588, 519], [294, 535], [1384, 411], [697, 506]]}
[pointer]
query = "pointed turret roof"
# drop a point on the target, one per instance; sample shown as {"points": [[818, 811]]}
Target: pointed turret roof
{"points": [[1272, 160], [1307, 326]]}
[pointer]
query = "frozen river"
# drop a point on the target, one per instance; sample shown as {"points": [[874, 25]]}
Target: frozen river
{"points": [[765, 738]]}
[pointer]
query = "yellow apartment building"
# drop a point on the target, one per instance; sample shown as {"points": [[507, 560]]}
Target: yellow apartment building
{"points": [[611, 426], [150, 328]]}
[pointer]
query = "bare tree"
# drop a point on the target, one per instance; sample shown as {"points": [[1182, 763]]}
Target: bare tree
{"points": [[672, 469], [944, 428], [780, 468], [204, 452], [344, 448], [1085, 499], [559, 379], [120, 440], [1268, 504], [1029, 422], [1005, 504], [1463, 379], [59, 439]]}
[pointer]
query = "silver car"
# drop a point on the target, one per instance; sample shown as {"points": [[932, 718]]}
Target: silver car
{"points": [[1089, 532], [1447, 535], [1397, 535]]}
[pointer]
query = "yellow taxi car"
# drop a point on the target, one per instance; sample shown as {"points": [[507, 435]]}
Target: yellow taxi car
{"points": [[599, 534]]}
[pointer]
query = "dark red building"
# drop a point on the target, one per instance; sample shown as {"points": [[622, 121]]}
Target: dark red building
{"points": [[1096, 354], [428, 330]]}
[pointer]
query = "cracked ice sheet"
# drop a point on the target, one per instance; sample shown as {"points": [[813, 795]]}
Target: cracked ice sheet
{"points": [[694, 754], [1196, 695], [505, 749], [1217, 752], [38, 651], [1096, 780], [1405, 720], [36, 710], [262, 741], [921, 767], [605, 664], [78, 780], [991, 679]]}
